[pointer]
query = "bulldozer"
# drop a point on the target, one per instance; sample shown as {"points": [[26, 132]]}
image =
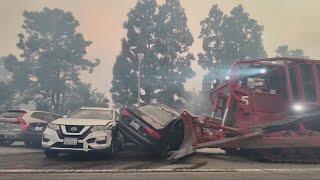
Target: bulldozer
{"points": [[268, 109]]}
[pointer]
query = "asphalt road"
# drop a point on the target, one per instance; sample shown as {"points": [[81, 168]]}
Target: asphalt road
{"points": [[17, 162]]}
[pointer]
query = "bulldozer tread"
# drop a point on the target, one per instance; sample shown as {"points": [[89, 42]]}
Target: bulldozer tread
{"points": [[285, 155]]}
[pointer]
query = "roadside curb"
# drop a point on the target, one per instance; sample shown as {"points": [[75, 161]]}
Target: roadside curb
{"points": [[61, 171], [20, 153]]}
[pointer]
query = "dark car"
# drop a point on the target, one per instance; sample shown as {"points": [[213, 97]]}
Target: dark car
{"points": [[154, 127], [32, 136]]}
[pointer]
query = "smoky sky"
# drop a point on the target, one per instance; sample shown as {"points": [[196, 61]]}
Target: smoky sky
{"points": [[292, 22]]}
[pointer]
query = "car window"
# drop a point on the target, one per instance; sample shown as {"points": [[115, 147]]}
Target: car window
{"points": [[160, 114], [44, 116], [92, 114], [11, 114]]}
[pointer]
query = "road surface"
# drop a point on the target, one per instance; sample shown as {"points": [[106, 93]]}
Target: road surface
{"points": [[18, 162]]}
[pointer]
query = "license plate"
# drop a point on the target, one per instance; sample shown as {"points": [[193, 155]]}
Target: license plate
{"points": [[70, 141], [135, 125], [2, 125], [38, 128]]}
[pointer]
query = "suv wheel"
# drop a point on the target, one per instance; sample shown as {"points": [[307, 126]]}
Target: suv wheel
{"points": [[112, 149], [51, 154]]}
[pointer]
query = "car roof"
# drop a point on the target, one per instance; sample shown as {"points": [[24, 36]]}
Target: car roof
{"points": [[97, 108], [29, 111], [17, 110]]}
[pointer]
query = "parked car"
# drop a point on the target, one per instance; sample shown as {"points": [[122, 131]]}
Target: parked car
{"points": [[86, 129], [24, 125], [32, 136], [154, 127]]}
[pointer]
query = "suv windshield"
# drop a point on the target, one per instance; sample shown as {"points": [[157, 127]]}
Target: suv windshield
{"points": [[45, 116], [92, 114]]}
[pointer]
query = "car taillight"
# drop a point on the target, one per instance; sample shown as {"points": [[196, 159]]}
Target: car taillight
{"points": [[126, 113], [153, 133], [21, 122]]}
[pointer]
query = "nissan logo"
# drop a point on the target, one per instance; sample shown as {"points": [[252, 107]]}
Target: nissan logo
{"points": [[74, 129]]}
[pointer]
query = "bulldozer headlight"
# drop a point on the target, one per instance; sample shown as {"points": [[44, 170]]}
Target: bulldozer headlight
{"points": [[298, 107], [263, 70]]}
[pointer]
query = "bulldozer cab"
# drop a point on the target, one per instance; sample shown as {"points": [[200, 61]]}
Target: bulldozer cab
{"points": [[261, 91]]}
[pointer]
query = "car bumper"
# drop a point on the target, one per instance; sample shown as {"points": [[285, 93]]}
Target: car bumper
{"points": [[32, 136], [51, 140], [15, 135]]}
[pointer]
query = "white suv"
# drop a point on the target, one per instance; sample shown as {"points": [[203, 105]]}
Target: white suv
{"points": [[86, 129]]}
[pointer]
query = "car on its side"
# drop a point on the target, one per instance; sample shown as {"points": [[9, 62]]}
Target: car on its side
{"points": [[24, 125], [86, 129], [154, 127]]}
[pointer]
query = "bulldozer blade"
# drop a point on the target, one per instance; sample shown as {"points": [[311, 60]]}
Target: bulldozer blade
{"points": [[186, 147]]}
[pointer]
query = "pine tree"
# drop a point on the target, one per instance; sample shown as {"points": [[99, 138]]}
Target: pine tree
{"points": [[173, 41], [137, 46], [53, 56], [158, 37], [227, 39], [283, 51]]}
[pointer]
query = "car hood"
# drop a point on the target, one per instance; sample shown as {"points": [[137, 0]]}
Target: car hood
{"points": [[84, 122]]}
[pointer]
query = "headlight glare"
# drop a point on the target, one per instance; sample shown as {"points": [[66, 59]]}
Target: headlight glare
{"points": [[298, 107]]}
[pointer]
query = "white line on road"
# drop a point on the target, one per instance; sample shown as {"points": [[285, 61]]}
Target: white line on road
{"points": [[152, 170]]}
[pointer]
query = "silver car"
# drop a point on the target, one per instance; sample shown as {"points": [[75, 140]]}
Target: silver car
{"points": [[24, 125]]}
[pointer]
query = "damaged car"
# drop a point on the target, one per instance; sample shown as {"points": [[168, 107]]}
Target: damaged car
{"points": [[153, 127]]}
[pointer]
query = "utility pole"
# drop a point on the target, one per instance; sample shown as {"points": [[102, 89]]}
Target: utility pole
{"points": [[140, 56]]}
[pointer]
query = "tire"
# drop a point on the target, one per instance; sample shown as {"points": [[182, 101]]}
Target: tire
{"points": [[231, 150], [112, 150], [28, 144], [6, 142], [50, 154], [32, 144], [118, 140]]}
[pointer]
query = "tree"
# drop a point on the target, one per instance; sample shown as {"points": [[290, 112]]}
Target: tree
{"points": [[172, 48], [137, 46], [76, 96], [212, 39], [52, 56], [21, 71], [80, 95], [5, 75], [283, 51], [228, 38], [159, 38], [97, 99], [6, 92], [6, 96]]}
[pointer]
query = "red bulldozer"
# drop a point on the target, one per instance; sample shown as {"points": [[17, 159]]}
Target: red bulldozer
{"points": [[268, 109]]}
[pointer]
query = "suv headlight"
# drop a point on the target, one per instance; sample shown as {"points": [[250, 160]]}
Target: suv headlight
{"points": [[54, 127], [100, 128]]}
